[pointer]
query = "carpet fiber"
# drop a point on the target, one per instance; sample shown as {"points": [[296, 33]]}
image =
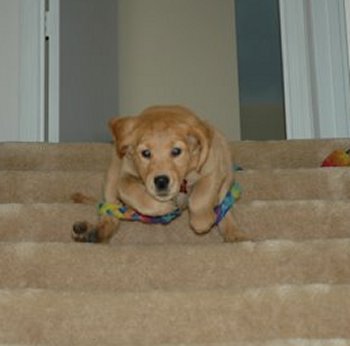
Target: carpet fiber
{"points": [[164, 285]]}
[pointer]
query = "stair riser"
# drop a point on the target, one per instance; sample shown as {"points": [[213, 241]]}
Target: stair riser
{"points": [[285, 154], [180, 267], [294, 184], [48, 187], [174, 317], [296, 220], [92, 156], [65, 157]]}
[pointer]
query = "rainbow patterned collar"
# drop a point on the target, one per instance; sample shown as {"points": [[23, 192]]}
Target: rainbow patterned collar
{"points": [[123, 212]]}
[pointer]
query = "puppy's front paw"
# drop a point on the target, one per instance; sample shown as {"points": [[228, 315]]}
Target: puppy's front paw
{"points": [[229, 231], [234, 235], [84, 232], [95, 233], [203, 222]]}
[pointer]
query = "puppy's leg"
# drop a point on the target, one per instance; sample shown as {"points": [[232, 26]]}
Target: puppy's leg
{"points": [[229, 230], [103, 230], [95, 233], [202, 201]]}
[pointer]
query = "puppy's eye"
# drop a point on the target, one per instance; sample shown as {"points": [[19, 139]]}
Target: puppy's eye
{"points": [[146, 153], [176, 152]]}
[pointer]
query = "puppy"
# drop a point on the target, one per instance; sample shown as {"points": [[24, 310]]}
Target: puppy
{"points": [[155, 153]]}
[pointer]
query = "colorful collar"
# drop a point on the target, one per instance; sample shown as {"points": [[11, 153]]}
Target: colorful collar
{"points": [[123, 212]]}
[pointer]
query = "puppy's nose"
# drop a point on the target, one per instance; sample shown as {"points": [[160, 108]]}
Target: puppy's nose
{"points": [[161, 182]]}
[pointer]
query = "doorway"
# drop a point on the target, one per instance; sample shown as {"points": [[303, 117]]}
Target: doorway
{"points": [[83, 56], [119, 57], [235, 82], [316, 104], [260, 70]]}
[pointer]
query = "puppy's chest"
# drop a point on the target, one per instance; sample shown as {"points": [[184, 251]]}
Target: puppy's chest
{"points": [[185, 190]]}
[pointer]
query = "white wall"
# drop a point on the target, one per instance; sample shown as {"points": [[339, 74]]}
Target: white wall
{"points": [[9, 69], [347, 19], [179, 52]]}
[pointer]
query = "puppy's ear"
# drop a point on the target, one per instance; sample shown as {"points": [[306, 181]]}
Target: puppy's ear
{"points": [[200, 137], [122, 129]]}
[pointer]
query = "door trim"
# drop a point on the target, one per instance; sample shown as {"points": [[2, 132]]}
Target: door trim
{"points": [[53, 81], [32, 71], [296, 70]]}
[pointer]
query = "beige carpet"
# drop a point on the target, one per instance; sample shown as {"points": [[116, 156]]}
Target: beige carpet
{"points": [[163, 285]]}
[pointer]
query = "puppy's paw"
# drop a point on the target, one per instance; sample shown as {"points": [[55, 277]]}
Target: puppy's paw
{"points": [[230, 232], [85, 232], [79, 197], [203, 222], [234, 235]]}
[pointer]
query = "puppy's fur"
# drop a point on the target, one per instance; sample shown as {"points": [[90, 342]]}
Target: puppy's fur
{"points": [[154, 153]]}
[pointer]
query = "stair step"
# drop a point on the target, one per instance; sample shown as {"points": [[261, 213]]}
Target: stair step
{"points": [[170, 317], [276, 342], [48, 156], [289, 184], [285, 154], [53, 223], [96, 156], [298, 220], [280, 342], [46, 186], [260, 220], [59, 266], [293, 184]]}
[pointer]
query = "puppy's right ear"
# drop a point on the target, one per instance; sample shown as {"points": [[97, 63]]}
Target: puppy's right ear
{"points": [[122, 129]]}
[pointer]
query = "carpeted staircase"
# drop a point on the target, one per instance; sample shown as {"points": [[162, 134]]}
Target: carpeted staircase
{"points": [[163, 285]]}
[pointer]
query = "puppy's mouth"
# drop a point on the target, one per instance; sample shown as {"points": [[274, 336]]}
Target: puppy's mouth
{"points": [[163, 196]]}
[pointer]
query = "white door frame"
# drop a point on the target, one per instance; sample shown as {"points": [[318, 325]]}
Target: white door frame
{"points": [[36, 24], [53, 32], [316, 68], [32, 71]]}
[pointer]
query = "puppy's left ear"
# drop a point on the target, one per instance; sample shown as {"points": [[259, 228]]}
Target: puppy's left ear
{"points": [[200, 138], [122, 129]]}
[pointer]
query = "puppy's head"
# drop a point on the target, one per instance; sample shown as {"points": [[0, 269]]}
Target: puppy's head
{"points": [[165, 144]]}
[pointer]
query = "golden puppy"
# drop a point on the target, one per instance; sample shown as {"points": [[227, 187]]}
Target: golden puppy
{"points": [[155, 152]]}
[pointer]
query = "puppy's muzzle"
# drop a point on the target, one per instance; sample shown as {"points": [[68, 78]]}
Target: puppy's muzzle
{"points": [[161, 182]]}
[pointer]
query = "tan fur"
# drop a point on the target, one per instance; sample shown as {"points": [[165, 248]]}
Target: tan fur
{"points": [[162, 132]]}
